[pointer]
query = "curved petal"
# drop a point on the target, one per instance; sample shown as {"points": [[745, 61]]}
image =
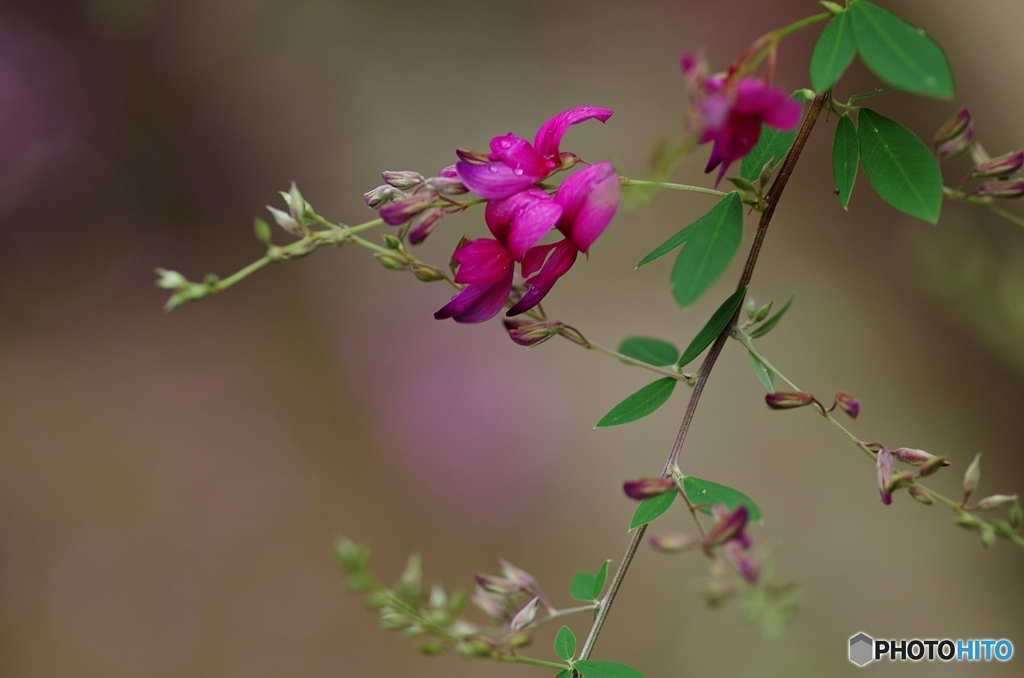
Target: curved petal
{"points": [[550, 133], [734, 142], [520, 220], [533, 296], [477, 303], [493, 180], [556, 264], [589, 199], [518, 154], [771, 104], [482, 261]]}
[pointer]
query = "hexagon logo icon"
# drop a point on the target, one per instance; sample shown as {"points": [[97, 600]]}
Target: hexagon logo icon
{"points": [[862, 648]]}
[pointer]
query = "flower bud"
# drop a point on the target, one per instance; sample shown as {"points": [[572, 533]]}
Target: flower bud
{"points": [[847, 403], [394, 621], [751, 308], [426, 273], [1015, 515], [747, 568], [489, 603], [394, 263], [447, 185], [410, 584], [297, 206], [994, 501], [449, 172], [645, 488], [423, 223], [898, 481], [402, 179], [521, 579], [531, 334], [474, 157], [919, 494], [883, 471], [954, 136], [763, 312], [379, 196], [429, 647], [676, 542], [988, 535], [997, 188], [498, 585], [525, 616], [729, 527], [784, 400], [401, 211], [967, 522], [262, 230], [931, 466], [170, 280], [909, 455], [1003, 529], [1003, 166], [972, 475], [521, 639], [287, 222], [766, 172]]}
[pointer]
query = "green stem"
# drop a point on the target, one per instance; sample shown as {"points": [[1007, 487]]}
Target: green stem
{"points": [[515, 659], [797, 25], [626, 181], [664, 371], [999, 211], [557, 614]]}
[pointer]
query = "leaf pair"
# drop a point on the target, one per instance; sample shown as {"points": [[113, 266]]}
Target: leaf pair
{"points": [[565, 648], [699, 492], [587, 587], [899, 167], [898, 53]]}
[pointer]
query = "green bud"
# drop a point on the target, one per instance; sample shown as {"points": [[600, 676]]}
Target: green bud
{"points": [[263, 234], [392, 243], [832, 7], [988, 535], [430, 648], [351, 556], [1014, 515], [438, 599], [766, 173], [426, 273], [751, 307], [917, 493], [410, 585], [519, 639], [996, 500], [377, 600], [392, 263], [359, 581], [743, 184], [458, 599], [967, 521], [972, 476], [1003, 529], [394, 621], [170, 280], [763, 312]]}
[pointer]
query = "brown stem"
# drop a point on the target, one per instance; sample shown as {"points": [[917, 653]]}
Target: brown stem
{"points": [[772, 199]]}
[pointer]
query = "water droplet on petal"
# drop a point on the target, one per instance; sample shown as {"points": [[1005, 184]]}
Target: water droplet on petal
{"points": [[493, 167], [518, 172]]}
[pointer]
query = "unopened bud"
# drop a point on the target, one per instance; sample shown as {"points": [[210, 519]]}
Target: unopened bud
{"points": [[449, 172], [567, 160], [410, 584], [427, 273], [743, 184], [423, 223], [748, 569], [377, 600], [285, 221], [393, 263], [996, 188], [645, 488], [988, 535], [521, 579], [474, 157], [898, 481], [751, 308], [784, 400], [447, 185], [847, 403], [967, 521], [401, 211], [919, 494], [498, 585], [429, 647], [402, 179], [438, 599], [883, 472], [766, 172], [351, 556], [931, 466], [525, 616], [950, 141], [1003, 529], [379, 196], [532, 334], [909, 455], [833, 8], [520, 639], [394, 621], [995, 501], [729, 526], [262, 230], [1003, 166], [676, 542], [392, 243], [491, 605], [297, 206], [170, 280], [1015, 515], [972, 476], [763, 312]]}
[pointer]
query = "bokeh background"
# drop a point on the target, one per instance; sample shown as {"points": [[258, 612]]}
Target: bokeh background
{"points": [[171, 484]]}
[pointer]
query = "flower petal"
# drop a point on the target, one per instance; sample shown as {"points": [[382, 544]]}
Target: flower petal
{"points": [[518, 154], [477, 303], [557, 258], [493, 180], [482, 261], [771, 104], [589, 199], [520, 220], [550, 133]]}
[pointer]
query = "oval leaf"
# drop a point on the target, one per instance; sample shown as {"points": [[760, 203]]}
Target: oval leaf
{"points": [[713, 327], [845, 157], [595, 668], [833, 52], [899, 166], [706, 492], [767, 326], [582, 586], [898, 53], [682, 236], [709, 250], [763, 374], [564, 674], [640, 404], [649, 350], [651, 508], [599, 580], [773, 145], [565, 643]]}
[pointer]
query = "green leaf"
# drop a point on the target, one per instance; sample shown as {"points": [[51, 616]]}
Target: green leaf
{"points": [[595, 668], [640, 404], [651, 351], [602, 575], [763, 374], [709, 250], [898, 53], [845, 157], [582, 586], [565, 643], [651, 508], [772, 143], [564, 674], [706, 492], [767, 326], [713, 216], [899, 166], [713, 328], [833, 52]]}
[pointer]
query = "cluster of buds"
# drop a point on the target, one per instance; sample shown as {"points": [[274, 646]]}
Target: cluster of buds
{"points": [[988, 531], [297, 220], [410, 198], [955, 138], [787, 400], [889, 481]]}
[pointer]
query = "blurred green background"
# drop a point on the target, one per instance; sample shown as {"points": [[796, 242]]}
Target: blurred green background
{"points": [[171, 484]]}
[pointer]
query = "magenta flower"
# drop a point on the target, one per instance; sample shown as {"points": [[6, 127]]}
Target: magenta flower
{"points": [[730, 112], [883, 471], [514, 164]]}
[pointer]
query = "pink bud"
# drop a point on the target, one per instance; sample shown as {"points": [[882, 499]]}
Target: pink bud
{"points": [[402, 179], [909, 455], [489, 603], [729, 527], [521, 579], [784, 400], [883, 469], [1003, 166], [447, 185], [995, 501], [423, 223], [496, 585], [401, 211], [525, 616], [747, 568], [997, 188], [972, 476], [673, 543], [931, 466], [644, 488], [531, 334], [954, 137], [848, 404], [475, 157]]}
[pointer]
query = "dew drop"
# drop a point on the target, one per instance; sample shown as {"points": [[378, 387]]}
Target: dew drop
{"points": [[493, 167], [920, 31], [876, 130], [518, 172]]}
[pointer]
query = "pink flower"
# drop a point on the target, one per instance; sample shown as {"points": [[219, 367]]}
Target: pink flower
{"points": [[730, 112], [514, 164]]}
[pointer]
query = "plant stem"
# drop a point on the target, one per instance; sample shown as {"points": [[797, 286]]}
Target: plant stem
{"points": [[797, 25], [515, 659], [771, 200], [999, 211], [625, 181], [556, 614]]}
